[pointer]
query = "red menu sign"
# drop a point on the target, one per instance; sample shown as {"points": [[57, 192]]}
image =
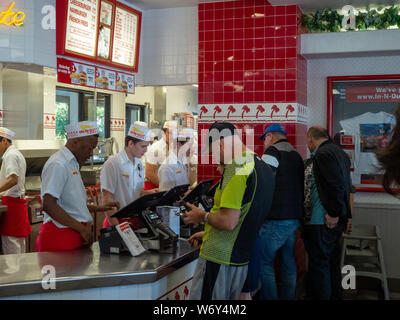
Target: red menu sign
{"points": [[100, 31], [71, 72], [376, 93], [82, 74]]}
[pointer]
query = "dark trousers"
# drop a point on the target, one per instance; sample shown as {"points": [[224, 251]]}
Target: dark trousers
{"points": [[323, 245]]}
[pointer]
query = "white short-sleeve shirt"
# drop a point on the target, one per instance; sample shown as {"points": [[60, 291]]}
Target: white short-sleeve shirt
{"points": [[13, 163], [156, 153], [122, 178], [172, 173], [62, 180]]}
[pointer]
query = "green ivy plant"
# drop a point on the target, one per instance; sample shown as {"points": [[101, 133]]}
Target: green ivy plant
{"points": [[329, 20]]}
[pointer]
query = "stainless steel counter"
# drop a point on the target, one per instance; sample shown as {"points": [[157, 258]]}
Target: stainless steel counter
{"points": [[21, 274]]}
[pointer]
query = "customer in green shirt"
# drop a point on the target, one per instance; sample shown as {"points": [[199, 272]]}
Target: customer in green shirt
{"points": [[241, 203]]}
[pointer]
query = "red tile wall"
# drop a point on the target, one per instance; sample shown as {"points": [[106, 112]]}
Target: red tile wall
{"points": [[249, 53]]}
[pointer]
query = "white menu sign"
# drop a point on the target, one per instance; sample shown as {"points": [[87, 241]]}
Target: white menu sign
{"points": [[82, 27], [125, 36]]}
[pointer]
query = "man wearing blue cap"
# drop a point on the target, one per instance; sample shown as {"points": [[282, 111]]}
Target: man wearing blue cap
{"points": [[279, 230]]}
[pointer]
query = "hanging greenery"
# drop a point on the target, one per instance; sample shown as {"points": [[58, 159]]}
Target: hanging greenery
{"points": [[329, 20]]}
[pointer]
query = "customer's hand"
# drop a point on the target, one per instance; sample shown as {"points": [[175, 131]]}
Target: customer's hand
{"points": [[196, 239], [349, 227], [195, 215], [330, 221]]}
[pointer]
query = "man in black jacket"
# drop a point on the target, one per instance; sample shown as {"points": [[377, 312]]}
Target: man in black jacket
{"points": [[277, 235], [327, 206]]}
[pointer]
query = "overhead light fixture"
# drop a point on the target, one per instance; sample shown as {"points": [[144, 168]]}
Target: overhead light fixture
{"points": [[195, 85]]}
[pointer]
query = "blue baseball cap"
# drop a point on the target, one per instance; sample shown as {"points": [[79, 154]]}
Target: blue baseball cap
{"points": [[276, 127]]}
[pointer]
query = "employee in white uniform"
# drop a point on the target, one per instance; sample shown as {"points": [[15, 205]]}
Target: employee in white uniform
{"points": [[156, 154], [67, 219], [174, 169], [122, 175], [14, 223]]}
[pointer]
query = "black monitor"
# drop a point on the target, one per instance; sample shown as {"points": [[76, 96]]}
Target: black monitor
{"points": [[201, 189], [151, 201], [137, 206], [173, 195]]}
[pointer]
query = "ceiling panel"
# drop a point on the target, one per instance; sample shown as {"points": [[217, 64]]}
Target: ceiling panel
{"points": [[305, 5], [310, 5], [159, 4]]}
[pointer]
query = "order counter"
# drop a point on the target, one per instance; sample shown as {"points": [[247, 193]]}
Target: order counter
{"points": [[88, 274]]}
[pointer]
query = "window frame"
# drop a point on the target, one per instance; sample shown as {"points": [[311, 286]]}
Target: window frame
{"points": [[81, 111]]}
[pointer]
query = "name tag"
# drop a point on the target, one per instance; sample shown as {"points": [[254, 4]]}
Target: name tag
{"points": [[74, 172], [178, 171], [125, 175]]}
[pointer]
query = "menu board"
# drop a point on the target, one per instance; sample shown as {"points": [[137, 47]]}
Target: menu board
{"points": [[125, 33], [81, 34], [72, 72], [125, 82], [105, 79], [81, 74], [106, 32]]}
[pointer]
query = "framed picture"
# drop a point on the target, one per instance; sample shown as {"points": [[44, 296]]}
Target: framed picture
{"points": [[362, 107], [103, 44], [106, 13]]}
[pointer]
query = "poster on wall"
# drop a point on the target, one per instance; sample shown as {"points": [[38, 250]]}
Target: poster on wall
{"points": [[81, 33], [125, 33], [371, 132]]}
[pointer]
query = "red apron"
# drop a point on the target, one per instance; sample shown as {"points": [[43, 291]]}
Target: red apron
{"points": [[149, 186], [15, 221], [53, 238], [133, 221]]}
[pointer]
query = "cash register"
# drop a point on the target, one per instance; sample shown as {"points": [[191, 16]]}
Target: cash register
{"points": [[153, 233], [201, 196]]}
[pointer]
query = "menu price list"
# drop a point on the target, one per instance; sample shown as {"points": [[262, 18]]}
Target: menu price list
{"points": [[82, 27], [125, 34]]}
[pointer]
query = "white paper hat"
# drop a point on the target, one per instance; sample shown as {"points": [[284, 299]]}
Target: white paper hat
{"points": [[81, 129], [185, 133], [7, 133], [142, 123], [170, 124], [139, 132]]}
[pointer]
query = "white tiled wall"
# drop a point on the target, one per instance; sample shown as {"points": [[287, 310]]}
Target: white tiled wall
{"points": [[169, 46], [28, 43], [181, 99]]}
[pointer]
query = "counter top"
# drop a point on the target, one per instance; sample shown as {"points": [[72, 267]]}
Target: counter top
{"points": [[21, 274], [376, 200]]}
